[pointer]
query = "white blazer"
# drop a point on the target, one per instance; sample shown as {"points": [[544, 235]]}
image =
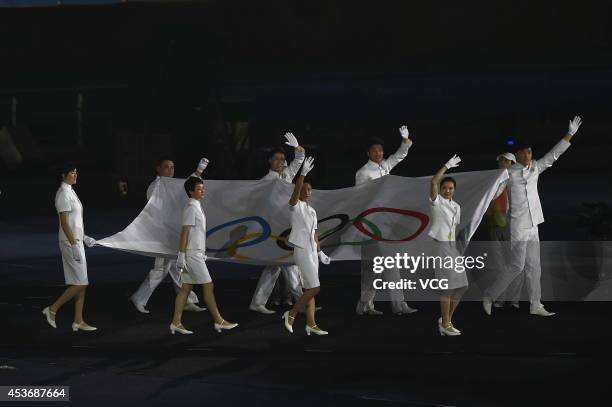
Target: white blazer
{"points": [[303, 226], [445, 217], [372, 170], [193, 215], [66, 200], [288, 173], [522, 185]]}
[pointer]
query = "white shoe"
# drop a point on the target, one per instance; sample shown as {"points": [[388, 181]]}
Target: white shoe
{"points": [[315, 330], [288, 302], [515, 304], [224, 325], [139, 307], [180, 329], [193, 307], [82, 326], [286, 317], [448, 331], [372, 311], [366, 309], [486, 304], [48, 313], [452, 327], [406, 309], [498, 304], [261, 309], [541, 311]]}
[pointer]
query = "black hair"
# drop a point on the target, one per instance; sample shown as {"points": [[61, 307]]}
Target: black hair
{"points": [[191, 183], [161, 160], [374, 140], [307, 181], [66, 167], [277, 150], [448, 179], [521, 145]]}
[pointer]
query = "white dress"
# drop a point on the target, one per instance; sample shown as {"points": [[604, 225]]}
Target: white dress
{"points": [[196, 271], [302, 238], [445, 217], [66, 200]]}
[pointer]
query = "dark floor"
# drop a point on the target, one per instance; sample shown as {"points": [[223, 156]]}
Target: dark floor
{"points": [[508, 359]]}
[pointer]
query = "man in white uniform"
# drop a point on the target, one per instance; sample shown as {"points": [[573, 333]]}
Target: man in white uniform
{"points": [[525, 216], [375, 168], [267, 280], [162, 267]]}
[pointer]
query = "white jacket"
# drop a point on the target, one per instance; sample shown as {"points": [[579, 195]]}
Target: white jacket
{"points": [[289, 173], [303, 226], [372, 170], [445, 217], [522, 185], [193, 215], [66, 200]]}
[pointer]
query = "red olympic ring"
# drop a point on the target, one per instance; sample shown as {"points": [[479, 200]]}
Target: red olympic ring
{"points": [[420, 216]]}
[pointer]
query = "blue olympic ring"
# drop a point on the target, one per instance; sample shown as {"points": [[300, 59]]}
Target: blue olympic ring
{"points": [[265, 232]]}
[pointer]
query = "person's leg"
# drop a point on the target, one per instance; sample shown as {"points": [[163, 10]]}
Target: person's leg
{"points": [[368, 292], [293, 282], [533, 271], [208, 290], [518, 248], [455, 298], [79, 302], [445, 304], [66, 296], [179, 304], [174, 272], [310, 312], [265, 285], [303, 301], [150, 283]]}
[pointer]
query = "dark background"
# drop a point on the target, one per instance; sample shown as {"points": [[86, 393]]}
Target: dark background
{"points": [[226, 79]]}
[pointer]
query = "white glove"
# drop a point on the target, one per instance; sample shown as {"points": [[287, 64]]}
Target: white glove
{"points": [[574, 125], [202, 165], [307, 166], [76, 253], [180, 261], [404, 132], [325, 259], [453, 162], [291, 140], [89, 241]]}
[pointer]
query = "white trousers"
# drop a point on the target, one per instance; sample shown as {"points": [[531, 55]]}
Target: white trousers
{"points": [[268, 278], [499, 256], [161, 268], [368, 292], [524, 259]]}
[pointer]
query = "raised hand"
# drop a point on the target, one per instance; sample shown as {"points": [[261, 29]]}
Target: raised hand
{"points": [[307, 166], [291, 140], [574, 125], [453, 162]]}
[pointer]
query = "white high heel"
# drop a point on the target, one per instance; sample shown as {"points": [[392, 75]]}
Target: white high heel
{"points": [[82, 326], [225, 325], [47, 312], [448, 331], [452, 327], [315, 330], [286, 317], [180, 329]]}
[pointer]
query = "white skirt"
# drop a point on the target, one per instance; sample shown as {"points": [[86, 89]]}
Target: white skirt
{"points": [[196, 271], [308, 262], [75, 272]]}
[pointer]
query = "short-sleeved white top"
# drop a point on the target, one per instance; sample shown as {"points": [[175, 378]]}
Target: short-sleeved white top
{"points": [[303, 225], [193, 215], [66, 200], [445, 216]]}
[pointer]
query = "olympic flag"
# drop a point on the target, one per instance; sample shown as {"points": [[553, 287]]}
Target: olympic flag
{"points": [[249, 221]]}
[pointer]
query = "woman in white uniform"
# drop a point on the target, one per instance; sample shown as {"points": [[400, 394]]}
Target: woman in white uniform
{"points": [[306, 252], [191, 259], [445, 217], [71, 239]]}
